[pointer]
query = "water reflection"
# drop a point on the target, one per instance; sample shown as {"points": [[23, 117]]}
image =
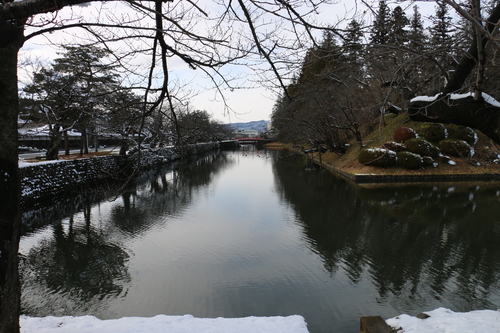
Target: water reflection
{"points": [[73, 261], [253, 233], [420, 245]]}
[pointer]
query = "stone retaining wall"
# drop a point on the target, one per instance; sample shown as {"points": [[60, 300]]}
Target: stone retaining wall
{"points": [[46, 179]]}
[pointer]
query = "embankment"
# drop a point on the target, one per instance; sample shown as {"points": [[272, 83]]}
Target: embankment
{"points": [[44, 180]]}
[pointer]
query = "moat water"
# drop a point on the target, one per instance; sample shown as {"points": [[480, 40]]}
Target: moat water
{"points": [[259, 233]]}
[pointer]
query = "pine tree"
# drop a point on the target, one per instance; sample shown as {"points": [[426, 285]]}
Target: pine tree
{"points": [[416, 35], [353, 46], [382, 25], [398, 34], [441, 39]]}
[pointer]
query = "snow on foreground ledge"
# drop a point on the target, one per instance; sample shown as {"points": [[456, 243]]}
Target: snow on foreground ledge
{"points": [[163, 323], [442, 320]]}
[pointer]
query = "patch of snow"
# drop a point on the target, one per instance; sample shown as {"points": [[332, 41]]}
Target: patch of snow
{"points": [[443, 320], [22, 164], [490, 100], [487, 98], [424, 98], [163, 323]]}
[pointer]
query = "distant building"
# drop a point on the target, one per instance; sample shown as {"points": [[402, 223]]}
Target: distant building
{"points": [[247, 134]]}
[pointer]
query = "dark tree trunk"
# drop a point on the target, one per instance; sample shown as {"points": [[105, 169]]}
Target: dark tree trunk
{"points": [[470, 59], [84, 148], [466, 111], [11, 39], [55, 140], [66, 142]]}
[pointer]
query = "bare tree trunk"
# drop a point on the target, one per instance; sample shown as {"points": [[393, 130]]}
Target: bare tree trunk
{"points": [[66, 142], [54, 142], [467, 112], [10, 185], [469, 60]]}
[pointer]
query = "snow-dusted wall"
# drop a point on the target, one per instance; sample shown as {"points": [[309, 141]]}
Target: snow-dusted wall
{"points": [[46, 179], [42, 180]]}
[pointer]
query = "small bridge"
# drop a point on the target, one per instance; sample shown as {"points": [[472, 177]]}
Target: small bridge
{"points": [[252, 140]]}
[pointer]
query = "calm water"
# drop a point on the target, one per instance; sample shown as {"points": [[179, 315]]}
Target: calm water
{"points": [[251, 233]]}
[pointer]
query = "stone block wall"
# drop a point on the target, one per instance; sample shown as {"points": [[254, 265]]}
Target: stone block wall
{"points": [[46, 179]]}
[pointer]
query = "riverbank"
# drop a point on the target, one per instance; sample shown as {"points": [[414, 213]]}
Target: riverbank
{"points": [[483, 165], [41, 179]]}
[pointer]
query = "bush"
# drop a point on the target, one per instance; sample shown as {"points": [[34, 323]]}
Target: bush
{"points": [[395, 146], [456, 148], [402, 134], [429, 161], [464, 133], [433, 132], [377, 157], [422, 147], [410, 160]]}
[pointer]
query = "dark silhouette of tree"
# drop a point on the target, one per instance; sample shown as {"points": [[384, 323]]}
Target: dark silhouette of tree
{"points": [[73, 94]]}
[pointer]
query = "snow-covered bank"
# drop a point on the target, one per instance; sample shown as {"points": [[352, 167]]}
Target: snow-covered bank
{"points": [[162, 323], [442, 320]]}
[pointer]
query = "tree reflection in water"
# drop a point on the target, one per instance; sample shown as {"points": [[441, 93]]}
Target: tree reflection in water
{"points": [[421, 246], [79, 265]]}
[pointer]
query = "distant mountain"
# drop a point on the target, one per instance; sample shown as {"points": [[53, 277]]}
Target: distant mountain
{"points": [[259, 125]]}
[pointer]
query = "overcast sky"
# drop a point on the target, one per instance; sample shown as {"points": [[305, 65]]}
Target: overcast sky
{"points": [[246, 104]]}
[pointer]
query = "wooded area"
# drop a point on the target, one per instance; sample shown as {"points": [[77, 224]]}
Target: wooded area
{"points": [[344, 80]]}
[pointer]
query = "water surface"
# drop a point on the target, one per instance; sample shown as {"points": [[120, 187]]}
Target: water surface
{"points": [[253, 233]]}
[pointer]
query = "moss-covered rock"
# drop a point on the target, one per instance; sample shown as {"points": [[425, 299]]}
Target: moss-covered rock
{"points": [[429, 162], [377, 157], [409, 160], [422, 147], [433, 132], [458, 148], [402, 134], [395, 146], [464, 133]]}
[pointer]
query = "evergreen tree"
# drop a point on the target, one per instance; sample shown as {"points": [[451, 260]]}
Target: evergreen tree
{"points": [[398, 35], [416, 35], [353, 47], [441, 39], [381, 25], [74, 93]]}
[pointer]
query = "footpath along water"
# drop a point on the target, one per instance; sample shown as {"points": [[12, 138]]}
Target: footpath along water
{"points": [[251, 233]]}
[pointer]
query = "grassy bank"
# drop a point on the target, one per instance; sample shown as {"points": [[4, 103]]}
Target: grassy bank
{"points": [[478, 167]]}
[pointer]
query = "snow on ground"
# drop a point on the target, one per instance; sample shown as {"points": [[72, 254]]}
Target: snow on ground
{"points": [[442, 320], [487, 98], [162, 323]]}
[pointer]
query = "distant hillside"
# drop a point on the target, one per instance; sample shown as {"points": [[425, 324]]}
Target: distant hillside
{"points": [[259, 125]]}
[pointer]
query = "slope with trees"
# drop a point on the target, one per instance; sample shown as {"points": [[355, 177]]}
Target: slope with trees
{"points": [[149, 38], [400, 61]]}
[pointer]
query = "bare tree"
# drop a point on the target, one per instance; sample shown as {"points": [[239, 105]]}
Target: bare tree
{"points": [[205, 36], [474, 111]]}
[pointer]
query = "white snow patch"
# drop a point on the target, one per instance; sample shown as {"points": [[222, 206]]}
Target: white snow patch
{"points": [[163, 323], [487, 98], [424, 98], [442, 320]]}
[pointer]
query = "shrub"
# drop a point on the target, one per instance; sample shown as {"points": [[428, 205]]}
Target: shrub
{"points": [[377, 157], [409, 160], [464, 133], [402, 134], [429, 161], [434, 132], [422, 147], [455, 147], [395, 146]]}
